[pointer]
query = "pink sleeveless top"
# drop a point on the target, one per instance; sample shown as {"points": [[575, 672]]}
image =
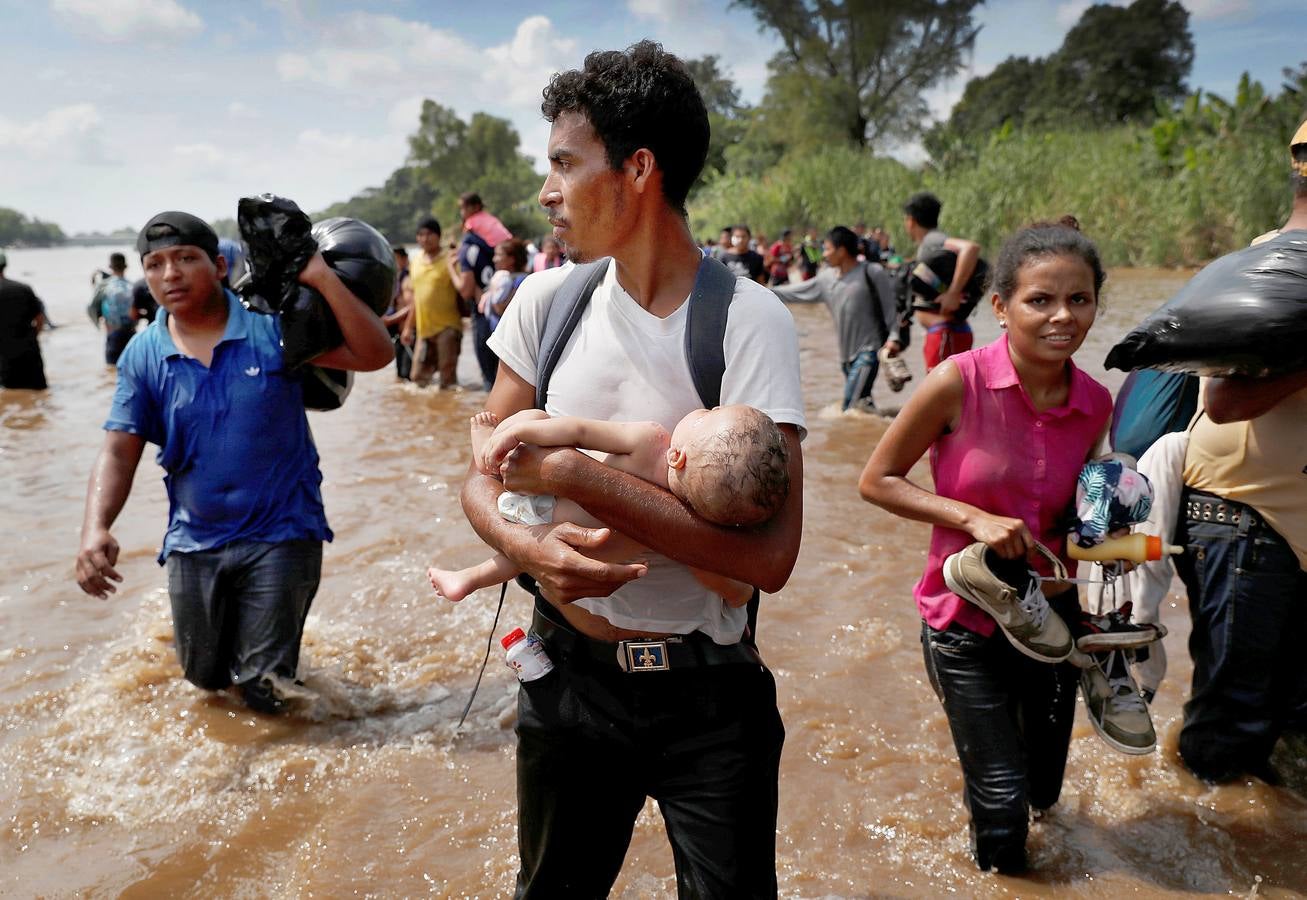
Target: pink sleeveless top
{"points": [[1009, 460]]}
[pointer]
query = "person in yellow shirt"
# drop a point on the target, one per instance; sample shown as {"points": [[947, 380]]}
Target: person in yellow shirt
{"points": [[1243, 523], [434, 324]]}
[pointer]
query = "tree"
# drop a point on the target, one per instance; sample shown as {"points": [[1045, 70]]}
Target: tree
{"points": [[1117, 62], [1115, 65], [448, 157], [451, 157], [1015, 92], [19, 230], [727, 116], [868, 62]]}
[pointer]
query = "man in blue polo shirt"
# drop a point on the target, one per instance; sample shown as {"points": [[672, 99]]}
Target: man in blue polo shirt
{"points": [[206, 384]]}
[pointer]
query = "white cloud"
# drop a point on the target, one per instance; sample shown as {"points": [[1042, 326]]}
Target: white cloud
{"points": [[61, 132], [118, 21], [1207, 10], [238, 110], [201, 155], [1069, 14], [396, 58], [667, 12]]}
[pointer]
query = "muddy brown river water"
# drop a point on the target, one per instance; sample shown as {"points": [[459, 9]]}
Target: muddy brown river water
{"points": [[119, 779]]}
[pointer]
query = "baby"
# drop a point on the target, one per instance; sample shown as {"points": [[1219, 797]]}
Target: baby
{"points": [[729, 464]]}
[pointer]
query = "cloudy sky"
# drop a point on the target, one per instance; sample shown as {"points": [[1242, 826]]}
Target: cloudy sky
{"points": [[114, 109]]}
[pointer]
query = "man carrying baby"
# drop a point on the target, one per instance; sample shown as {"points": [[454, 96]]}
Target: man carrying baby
{"points": [[700, 733], [729, 464]]}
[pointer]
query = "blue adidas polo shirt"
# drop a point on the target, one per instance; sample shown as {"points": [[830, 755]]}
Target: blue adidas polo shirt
{"points": [[233, 440]]}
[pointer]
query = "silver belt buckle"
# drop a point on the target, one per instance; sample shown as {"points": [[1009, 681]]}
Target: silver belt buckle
{"points": [[643, 656]]}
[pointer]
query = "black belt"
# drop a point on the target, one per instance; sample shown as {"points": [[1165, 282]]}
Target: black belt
{"points": [[1201, 507], [643, 655]]}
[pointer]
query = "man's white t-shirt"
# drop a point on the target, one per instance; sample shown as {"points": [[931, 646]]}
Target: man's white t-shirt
{"points": [[623, 364]]}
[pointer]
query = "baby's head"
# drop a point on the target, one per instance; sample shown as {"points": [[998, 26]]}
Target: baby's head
{"points": [[730, 464]]}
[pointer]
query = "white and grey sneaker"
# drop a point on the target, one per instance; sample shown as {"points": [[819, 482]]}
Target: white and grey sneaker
{"points": [[895, 368], [1025, 616], [1115, 706]]}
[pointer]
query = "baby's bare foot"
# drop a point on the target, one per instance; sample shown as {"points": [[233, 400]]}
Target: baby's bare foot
{"points": [[483, 426], [453, 586]]}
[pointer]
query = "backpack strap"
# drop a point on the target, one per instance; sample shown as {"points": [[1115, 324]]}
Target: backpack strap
{"points": [[705, 333], [705, 329], [878, 302], [705, 325], [564, 312]]}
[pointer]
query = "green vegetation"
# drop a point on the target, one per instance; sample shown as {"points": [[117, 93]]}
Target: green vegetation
{"points": [[17, 230], [1102, 129], [1179, 193], [448, 157], [1114, 67]]}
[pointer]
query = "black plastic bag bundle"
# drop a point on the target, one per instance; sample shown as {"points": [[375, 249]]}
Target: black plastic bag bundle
{"points": [[1245, 314], [278, 245], [930, 277], [281, 242]]}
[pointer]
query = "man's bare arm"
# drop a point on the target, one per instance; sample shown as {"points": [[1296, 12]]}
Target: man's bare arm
{"points": [[367, 345], [763, 555], [106, 494], [1238, 398], [968, 253]]}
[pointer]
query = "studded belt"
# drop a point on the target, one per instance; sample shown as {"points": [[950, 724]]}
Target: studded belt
{"points": [[1210, 508], [643, 655]]}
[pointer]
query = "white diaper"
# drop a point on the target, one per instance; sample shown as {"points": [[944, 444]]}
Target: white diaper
{"points": [[527, 509]]}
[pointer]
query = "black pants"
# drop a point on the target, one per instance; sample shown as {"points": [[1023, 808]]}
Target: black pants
{"points": [[238, 610], [1011, 718], [1248, 603], [21, 365], [403, 358], [486, 359], [594, 742], [115, 342]]}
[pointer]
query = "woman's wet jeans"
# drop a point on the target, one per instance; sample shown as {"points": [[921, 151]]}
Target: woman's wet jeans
{"points": [[1011, 717]]}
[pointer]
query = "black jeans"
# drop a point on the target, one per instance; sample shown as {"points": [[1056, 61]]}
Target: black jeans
{"points": [[1248, 604], [115, 342], [486, 359], [1011, 718], [594, 742], [238, 610]]}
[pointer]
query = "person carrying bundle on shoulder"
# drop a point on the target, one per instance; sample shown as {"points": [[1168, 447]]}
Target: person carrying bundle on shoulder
{"points": [[243, 549]]}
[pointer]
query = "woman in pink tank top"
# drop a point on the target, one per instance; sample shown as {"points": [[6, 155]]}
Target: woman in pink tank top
{"points": [[1008, 427]]}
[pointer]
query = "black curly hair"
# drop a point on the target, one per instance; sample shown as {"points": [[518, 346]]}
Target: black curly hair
{"points": [[642, 96], [1043, 239]]}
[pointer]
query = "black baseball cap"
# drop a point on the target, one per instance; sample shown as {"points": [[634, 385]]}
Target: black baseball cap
{"points": [[172, 229]]}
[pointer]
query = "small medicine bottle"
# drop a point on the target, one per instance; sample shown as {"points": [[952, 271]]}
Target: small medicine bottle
{"points": [[526, 656]]}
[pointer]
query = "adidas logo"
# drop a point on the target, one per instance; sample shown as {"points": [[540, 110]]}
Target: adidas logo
{"points": [[252, 371]]}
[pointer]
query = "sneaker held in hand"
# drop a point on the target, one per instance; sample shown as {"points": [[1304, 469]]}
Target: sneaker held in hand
{"points": [[1024, 615], [895, 368]]}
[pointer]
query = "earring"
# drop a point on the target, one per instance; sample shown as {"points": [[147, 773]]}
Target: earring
{"points": [[1002, 323]]}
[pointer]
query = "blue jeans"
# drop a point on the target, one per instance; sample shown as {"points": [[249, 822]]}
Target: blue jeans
{"points": [[1248, 604], [238, 610], [859, 375], [1011, 718]]}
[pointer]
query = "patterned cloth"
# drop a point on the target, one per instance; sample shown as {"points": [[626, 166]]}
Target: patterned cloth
{"points": [[1110, 494]]}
